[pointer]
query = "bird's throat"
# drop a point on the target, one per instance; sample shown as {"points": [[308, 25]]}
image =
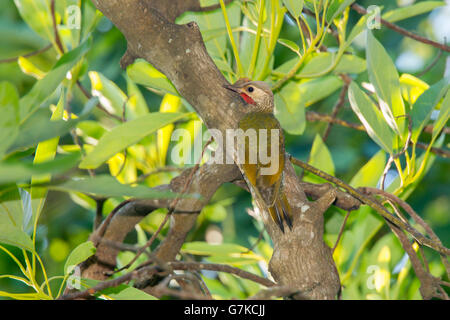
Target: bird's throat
{"points": [[247, 98]]}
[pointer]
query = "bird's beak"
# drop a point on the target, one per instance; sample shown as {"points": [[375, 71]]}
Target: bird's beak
{"points": [[231, 88]]}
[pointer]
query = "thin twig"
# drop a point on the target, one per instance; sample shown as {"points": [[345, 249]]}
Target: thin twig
{"points": [[416, 217], [402, 31], [98, 212], [431, 65], [341, 231], [312, 116], [380, 209], [27, 55], [278, 291], [136, 274], [99, 105], [338, 106], [55, 28], [156, 171], [181, 265]]}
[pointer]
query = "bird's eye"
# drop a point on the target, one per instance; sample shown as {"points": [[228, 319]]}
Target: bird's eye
{"points": [[250, 89]]}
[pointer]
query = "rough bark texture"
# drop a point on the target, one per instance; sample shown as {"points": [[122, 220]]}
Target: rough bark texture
{"points": [[301, 259]]}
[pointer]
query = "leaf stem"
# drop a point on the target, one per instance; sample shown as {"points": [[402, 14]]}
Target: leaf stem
{"points": [[233, 43], [257, 39]]}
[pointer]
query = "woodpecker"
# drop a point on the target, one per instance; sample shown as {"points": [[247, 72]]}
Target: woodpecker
{"points": [[259, 101]]}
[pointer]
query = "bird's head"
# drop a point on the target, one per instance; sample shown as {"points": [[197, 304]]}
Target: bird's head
{"points": [[255, 93]]}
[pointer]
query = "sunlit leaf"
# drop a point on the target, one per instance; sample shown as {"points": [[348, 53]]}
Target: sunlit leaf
{"points": [[144, 73], [108, 186], [137, 104], [444, 114], [204, 248], [29, 68], [412, 10], [424, 105], [170, 103], [289, 44], [11, 206], [46, 151], [370, 173], [22, 171], [45, 87], [412, 87], [290, 110], [384, 77], [37, 15], [320, 158], [109, 94], [126, 135], [16, 237], [9, 120], [336, 7], [78, 255], [371, 118], [120, 292], [295, 7]]}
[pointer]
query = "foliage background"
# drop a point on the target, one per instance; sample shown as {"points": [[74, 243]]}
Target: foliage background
{"points": [[66, 223]]}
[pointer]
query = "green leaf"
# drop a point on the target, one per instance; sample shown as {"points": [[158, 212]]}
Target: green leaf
{"points": [[320, 157], [22, 171], [371, 118], [295, 7], [11, 211], [36, 13], [411, 11], [107, 186], [9, 120], [125, 135], [359, 27], [29, 68], [16, 237], [289, 109], [46, 151], [45, 87], [384, 77], [289, 44], [312, 91], [144, 73], [215, 212], [90, 17], [424, 105], [322, 61], [39, 128], [110, 95], [225, 259], [120, 292], [204, 248], [336, 8], [78, 255], [136, 102], [350, 63], [442, 119], [291, 101], [370, 173], [211, 22]]}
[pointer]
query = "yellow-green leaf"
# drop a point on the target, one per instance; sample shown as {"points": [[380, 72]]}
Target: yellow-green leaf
{"points": [[126, 135]]}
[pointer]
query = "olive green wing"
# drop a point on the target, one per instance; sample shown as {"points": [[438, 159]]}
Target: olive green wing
{"points": [[265, 176]]}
